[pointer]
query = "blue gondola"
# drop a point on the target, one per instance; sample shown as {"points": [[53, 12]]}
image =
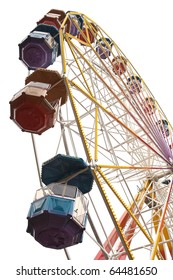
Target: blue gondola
{"points": [[62, 167], [163, 125]]}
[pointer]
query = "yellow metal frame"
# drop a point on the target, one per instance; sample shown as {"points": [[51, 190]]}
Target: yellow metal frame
{"points": [[160, 228]]}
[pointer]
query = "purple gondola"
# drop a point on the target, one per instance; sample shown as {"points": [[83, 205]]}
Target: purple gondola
{"points": [[39, 49], [57, 217]]}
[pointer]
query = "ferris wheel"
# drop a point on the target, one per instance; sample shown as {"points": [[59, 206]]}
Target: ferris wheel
{"points": [[110, 177]]}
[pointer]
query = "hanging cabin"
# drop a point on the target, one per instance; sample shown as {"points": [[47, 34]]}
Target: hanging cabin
{"points": [[57, 217], [34, 108]]}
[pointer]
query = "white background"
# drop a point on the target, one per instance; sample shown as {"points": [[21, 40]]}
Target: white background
{"points": [[143, 29]]}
